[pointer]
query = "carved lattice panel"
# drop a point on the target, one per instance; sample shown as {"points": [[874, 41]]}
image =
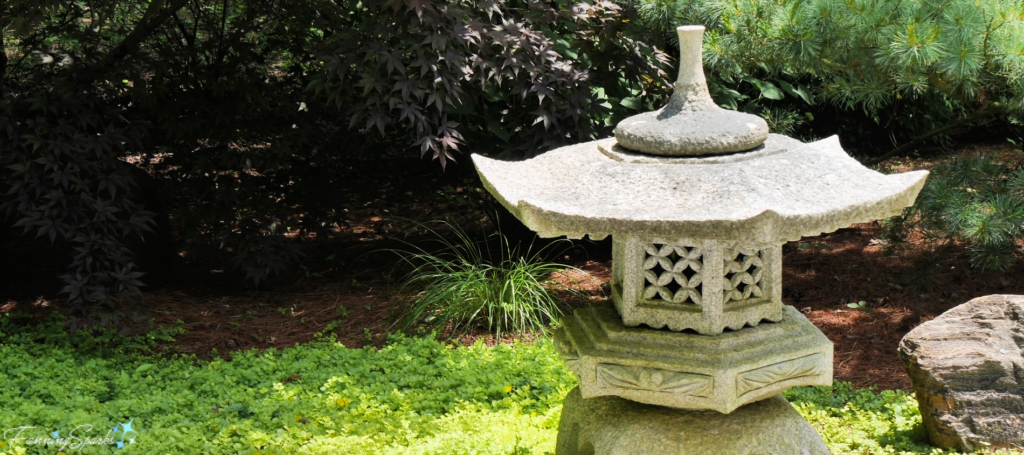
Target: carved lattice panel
{"points": [[744, 274], [672, 273]]}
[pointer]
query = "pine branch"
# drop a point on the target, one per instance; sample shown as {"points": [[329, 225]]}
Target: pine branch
{"points": [[992, 110]]}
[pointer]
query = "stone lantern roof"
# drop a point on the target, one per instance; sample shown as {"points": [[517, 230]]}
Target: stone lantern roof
{"points": [[781, 191]]}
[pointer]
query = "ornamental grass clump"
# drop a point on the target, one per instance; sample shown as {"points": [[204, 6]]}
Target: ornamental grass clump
{"points": [[463, 283]]}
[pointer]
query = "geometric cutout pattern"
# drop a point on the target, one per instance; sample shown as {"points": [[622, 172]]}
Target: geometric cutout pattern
{"points": [[672, 273], [744, 274]]}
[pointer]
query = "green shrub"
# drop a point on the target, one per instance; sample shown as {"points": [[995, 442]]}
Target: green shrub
{"points": [[464, 283], [975, 200]]}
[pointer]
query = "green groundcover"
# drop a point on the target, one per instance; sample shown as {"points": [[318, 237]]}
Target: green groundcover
{"points": [[102, 394]]}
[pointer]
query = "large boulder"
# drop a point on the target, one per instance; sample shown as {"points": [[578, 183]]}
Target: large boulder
{"points": [[968, 373]]}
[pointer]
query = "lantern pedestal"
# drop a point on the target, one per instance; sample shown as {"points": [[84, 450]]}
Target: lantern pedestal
{"points": [[615, 426], [686, 370]]}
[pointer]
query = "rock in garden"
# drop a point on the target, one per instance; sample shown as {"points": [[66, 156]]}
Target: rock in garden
{"points": [[968, 373], [616, 426]]}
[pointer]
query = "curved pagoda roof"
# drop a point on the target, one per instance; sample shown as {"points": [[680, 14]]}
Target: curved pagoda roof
{"points": [[781, 191]]}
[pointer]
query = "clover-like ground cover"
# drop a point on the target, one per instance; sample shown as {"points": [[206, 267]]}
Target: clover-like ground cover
{"points": [[415, 395], [412, 396]]}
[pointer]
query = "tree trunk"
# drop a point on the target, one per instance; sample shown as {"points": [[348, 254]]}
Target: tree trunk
{"points": [[3, 66]]}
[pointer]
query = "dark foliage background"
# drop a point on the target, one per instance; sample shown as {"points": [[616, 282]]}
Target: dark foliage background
{"points": [[133, 130]]}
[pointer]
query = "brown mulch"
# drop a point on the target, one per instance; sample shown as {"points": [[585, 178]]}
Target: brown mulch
{"points": [[850, 266], [821, 276]]}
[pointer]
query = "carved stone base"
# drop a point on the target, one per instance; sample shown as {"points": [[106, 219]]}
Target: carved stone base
{"points": [[614, 426], [686, 370]]}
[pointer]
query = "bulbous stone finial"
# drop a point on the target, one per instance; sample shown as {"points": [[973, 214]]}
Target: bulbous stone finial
{"points": [[691, 124]]}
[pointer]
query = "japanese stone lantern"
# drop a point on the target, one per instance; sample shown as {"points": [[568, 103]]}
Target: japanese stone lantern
{"points": [[697, 347]]}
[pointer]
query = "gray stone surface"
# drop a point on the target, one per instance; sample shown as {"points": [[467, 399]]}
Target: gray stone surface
{"points": [[968, 373], [795, 191], [691, 124], [685, 370], [703, 285], [614, 426], [776, 143]]}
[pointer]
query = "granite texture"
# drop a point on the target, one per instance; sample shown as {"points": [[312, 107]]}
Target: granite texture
{"points": [[685, 370], [796, 190], [702, 285], [614, 426], [967, 370], [691, 124], [776, 143]]}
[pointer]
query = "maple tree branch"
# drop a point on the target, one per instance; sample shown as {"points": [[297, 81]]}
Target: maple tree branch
{"points": [[154, 17]]}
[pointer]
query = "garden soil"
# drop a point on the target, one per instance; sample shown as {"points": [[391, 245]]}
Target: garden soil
{"points": [[344, 282]]}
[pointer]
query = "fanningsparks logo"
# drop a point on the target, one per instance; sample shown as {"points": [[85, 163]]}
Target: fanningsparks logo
{"points": [[78, 438]]}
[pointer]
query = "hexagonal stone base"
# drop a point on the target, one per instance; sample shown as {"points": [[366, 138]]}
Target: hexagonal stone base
{"points": [[613, 426], [686, 370]]}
